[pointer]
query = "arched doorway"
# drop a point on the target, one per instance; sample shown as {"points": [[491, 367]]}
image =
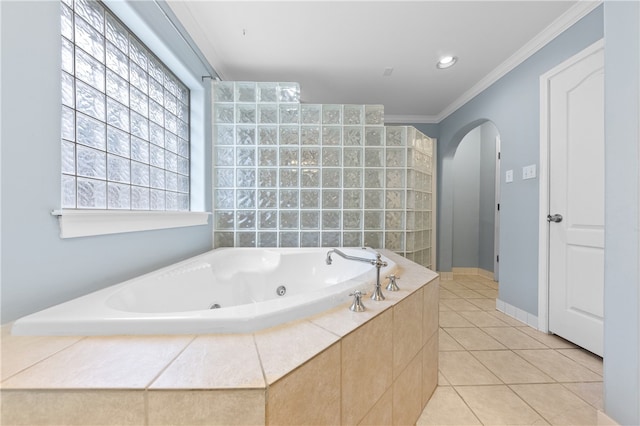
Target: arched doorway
{"points": [[475, 166]]}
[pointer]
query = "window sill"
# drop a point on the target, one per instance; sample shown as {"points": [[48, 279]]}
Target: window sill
{"points": [[85, 223]]}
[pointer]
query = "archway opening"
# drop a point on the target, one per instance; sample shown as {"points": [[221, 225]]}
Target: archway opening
{"points": [[475, 166]]}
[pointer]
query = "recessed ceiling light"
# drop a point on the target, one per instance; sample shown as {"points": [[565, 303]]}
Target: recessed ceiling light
{"points": [[446, 62]]}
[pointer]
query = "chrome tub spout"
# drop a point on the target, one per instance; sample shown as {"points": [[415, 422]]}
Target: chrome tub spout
{"points": [[377, 262]]}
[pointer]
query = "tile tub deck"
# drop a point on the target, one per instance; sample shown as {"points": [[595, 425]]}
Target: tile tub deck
{"points": [[337, 367]]}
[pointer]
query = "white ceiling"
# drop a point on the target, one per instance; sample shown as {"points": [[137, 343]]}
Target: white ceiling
{"points": [[339, 50]]}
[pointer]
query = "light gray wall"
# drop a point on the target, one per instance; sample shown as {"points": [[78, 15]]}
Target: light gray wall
{"points": [[622, 212], [474, 199], [512, 104], [38, 268], [466, 201], [488, 200]]}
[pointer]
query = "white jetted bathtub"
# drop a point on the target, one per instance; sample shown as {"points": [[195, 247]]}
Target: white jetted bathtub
{"points": [[231, 290]]}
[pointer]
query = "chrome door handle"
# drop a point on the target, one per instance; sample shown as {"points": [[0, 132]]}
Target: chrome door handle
{"points": [[557, 218]]}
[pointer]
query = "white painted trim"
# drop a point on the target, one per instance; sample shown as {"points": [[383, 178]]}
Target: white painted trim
{"points": [[518, 314], [496, 212], [543, 225], [84, 223], [566, 20], [434, 202]]}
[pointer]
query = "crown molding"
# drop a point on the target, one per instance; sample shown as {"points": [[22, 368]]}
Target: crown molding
{"points": [[562, 23]]}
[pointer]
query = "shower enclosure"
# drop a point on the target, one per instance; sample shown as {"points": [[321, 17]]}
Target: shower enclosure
{"points": [[290, 174]]}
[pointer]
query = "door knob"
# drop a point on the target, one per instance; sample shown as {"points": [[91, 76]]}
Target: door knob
{"points": [[557, 218]]}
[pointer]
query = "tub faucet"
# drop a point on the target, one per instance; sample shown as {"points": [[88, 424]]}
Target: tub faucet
{"points": [[377, 262]]}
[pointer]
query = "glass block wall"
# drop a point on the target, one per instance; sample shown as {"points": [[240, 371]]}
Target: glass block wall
{"points": [[289, 174]]}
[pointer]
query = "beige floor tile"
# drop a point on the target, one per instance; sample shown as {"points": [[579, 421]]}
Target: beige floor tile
{"points": [[556, 404], [498, 405], [460, 305], [447, 343], [442, 381], [480, 380], [484, 304], [513, 338], [482, 319], [474, 339], [511, 368], [452, 285], [447, 408], [489, 293], [585, 358], [492, 284], [559, 366], [467, 294], [453, 319], [475, 285], [466, 277], [507, 319], [591, 392], [551, 340], [443, 308], [446, 294], [461, 368]]}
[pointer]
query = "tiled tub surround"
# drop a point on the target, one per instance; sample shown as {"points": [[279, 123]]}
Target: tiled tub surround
{"points": [[288, 174], [338, 367]]}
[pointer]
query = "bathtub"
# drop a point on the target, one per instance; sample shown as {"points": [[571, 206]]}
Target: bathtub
{"points": [[228, 290]]}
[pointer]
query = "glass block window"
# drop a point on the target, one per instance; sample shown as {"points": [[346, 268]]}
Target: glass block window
{"points": [[125, 117]]}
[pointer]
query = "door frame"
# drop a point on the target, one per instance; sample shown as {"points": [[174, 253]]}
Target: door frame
{"points": [[496, 224], [543, 225]]}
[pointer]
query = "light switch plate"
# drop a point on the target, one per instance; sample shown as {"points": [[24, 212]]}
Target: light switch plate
{"points": [[508, 176], [529, 172]]}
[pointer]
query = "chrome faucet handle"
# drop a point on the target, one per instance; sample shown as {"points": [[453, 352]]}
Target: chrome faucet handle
{"points": [[357, 305], [393, 286]]}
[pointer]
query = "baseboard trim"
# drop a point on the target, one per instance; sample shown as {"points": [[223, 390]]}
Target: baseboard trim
{"points": [[473, 271], [517, 313], [604, 420], [486, 274], [446, 276], [465, 271]]}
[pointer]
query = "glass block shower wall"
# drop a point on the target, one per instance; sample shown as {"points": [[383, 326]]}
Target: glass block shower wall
{"points": [[288, 174]]}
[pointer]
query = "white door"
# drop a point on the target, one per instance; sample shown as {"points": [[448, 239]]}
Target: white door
{"points": [[576, 202]]}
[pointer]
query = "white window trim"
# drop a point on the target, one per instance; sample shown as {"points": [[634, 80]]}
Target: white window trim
{"points": [[92, 222], [84, 223]]}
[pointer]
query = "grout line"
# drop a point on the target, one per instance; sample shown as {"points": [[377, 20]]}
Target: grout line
{"points": [[264, 377], [51, 355], [547, 347], [162, 370]]}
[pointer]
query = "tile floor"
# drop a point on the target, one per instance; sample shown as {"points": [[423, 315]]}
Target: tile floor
{"points": [[495, 370]]}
